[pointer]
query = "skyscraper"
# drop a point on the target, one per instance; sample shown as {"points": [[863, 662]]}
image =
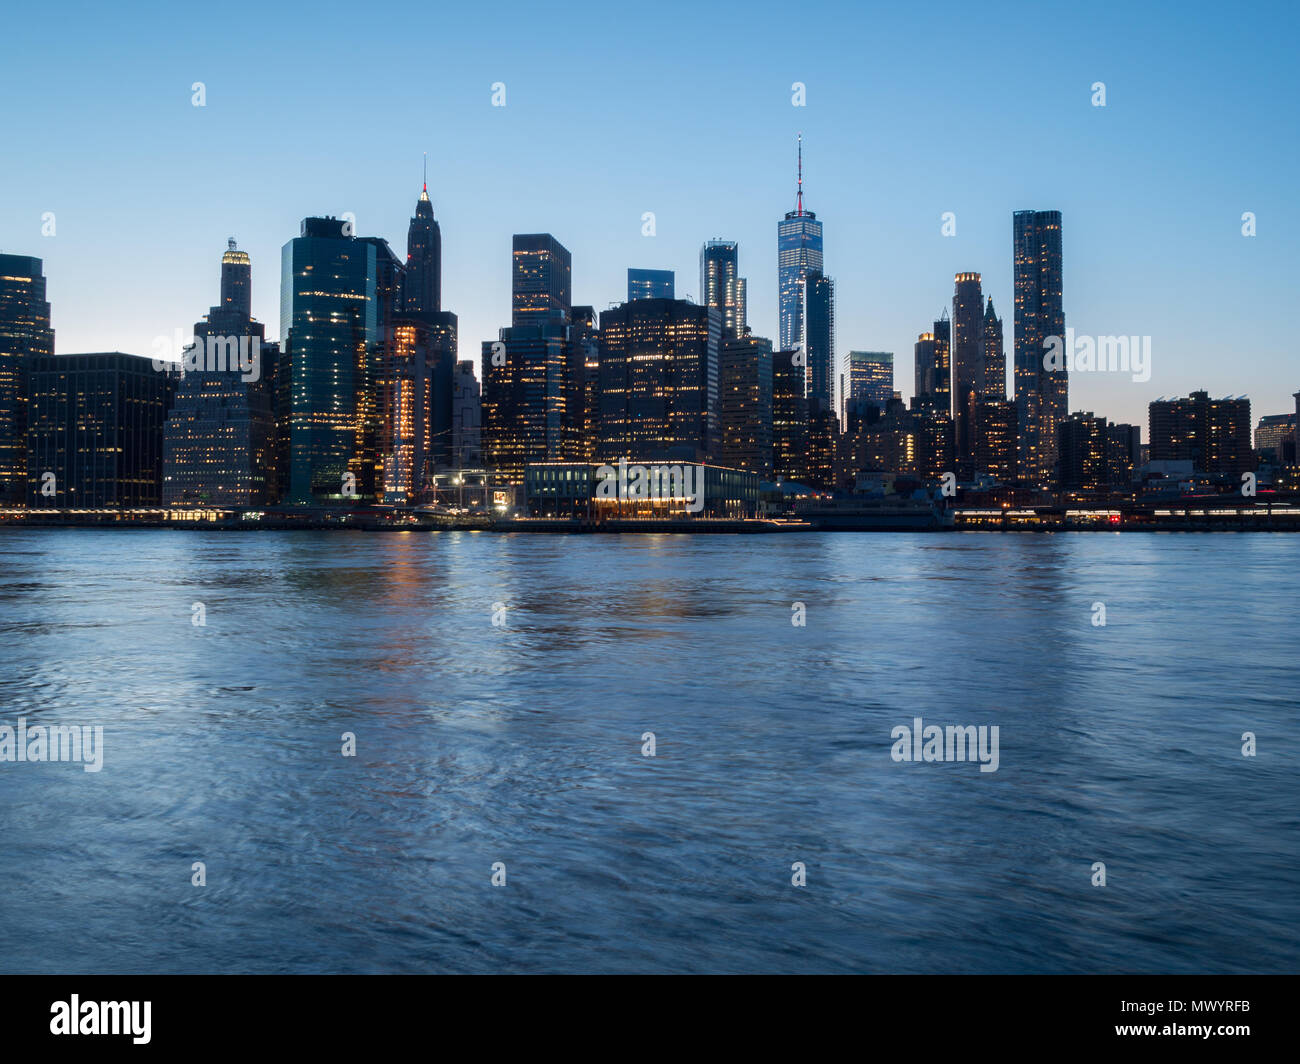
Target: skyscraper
{"points": [[869, 380], [790, 416], [747, 404], [931, 367], [523, 397], [466, 417], [1042, 396], [582, 363], [659, 382], [25, 334], [541, 284], [721, 286], [1084, 450], [219, 438], [995, 359], [650, 284], [414, 399], [331, 317], [967, 363], [422, 282], [95, 431], [819, 341], [799, 253], [997, 452]]}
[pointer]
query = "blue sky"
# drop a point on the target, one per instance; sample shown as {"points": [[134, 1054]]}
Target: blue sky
{"points": [[684, 110]]}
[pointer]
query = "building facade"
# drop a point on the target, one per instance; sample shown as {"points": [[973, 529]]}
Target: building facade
{"points": [[1212, 434], [1042, 395], [660, 363], [333, 322], [219, 442], [650, 284], [25, 335], [747, 404], [95, 431]]}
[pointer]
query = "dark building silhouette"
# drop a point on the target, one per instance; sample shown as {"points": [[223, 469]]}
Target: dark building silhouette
{"points": [[336, 294], [932, 428], [526, 370], [1124, 453], [659, 382], [789, 416], [997, 450], [747, 404], [1083, 451], [422, 280], [995, 360], [819, 341], [25, 335], [650, 284], [95, 431], [541, 288], [581, 385], [219, 438], [1212, 434], [466, 417], [523, 397], [1042, 395], [967, 364]]}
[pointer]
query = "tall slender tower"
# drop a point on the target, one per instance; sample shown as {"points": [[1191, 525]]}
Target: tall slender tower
{"points": [[1042, 395], [995, 358], [819, 341], [967, 363], [798, 253], [422, 285]]}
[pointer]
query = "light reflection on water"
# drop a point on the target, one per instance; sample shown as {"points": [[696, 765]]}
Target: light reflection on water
{"points": [[522, 744]]}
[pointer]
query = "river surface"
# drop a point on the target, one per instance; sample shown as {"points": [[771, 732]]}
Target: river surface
{"points": [[520, 744]]}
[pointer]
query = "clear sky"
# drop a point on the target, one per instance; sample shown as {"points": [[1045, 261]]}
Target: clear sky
{"points": [[683, 109]]}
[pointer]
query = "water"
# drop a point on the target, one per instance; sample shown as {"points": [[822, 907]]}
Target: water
{"points": [[522, 744]]}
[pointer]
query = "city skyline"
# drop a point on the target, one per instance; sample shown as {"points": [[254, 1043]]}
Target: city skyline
{"points": [[1153, 231]]}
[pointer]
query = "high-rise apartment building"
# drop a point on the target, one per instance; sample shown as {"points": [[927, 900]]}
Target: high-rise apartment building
{"points": [[1041, 394]]}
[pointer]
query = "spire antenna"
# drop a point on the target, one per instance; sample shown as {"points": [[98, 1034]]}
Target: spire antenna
{"points": [[799, 197], [426, 171]]}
